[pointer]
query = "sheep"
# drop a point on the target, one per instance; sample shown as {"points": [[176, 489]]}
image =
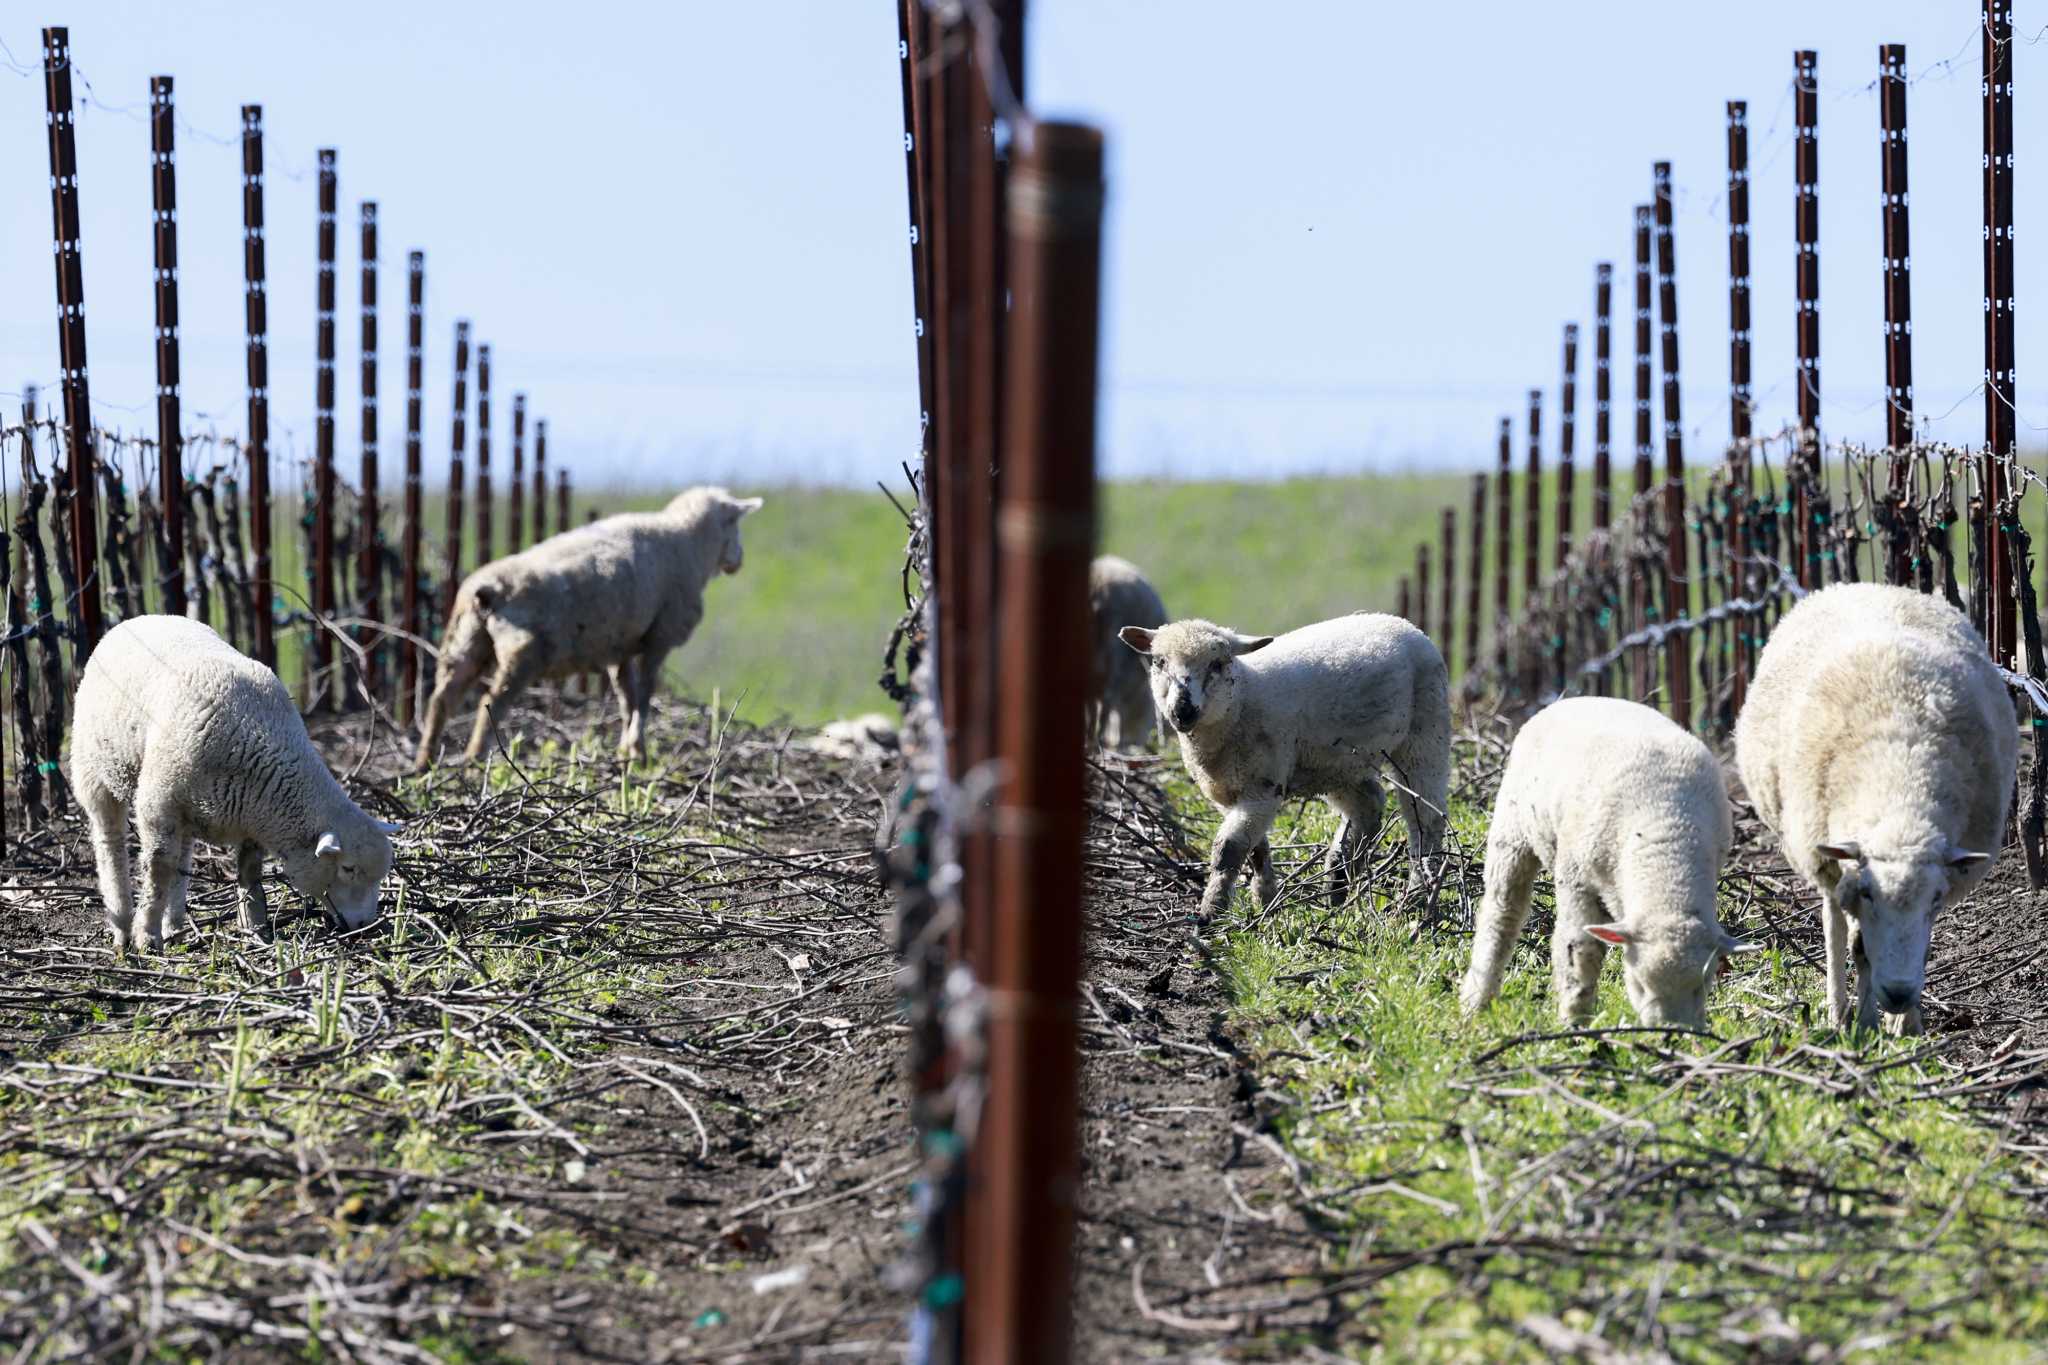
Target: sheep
{"points": [[198, 741], [1629, 815], [1314, 712], [1879, 744], [1119, 595], [870, 738], [617, 594]]}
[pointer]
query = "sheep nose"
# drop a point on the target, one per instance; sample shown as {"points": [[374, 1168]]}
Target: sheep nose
{"points": [[1185, 714], [1897, 996]]}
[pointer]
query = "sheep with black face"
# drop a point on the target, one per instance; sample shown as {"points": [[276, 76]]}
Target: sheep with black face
{"points": [[1341, 710], [1879, 744]]}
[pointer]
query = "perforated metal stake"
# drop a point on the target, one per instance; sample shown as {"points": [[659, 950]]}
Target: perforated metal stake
{"points": [[540, 481], [1567, 423], [1806, 233], [485, 542], [323, 446], [1741, 400], [2001, 374], [1447, 555], [451, 575], [1641, 603], [81, 467], [369, 530], [1603, 396], [170, 446], [1678, 647], [515, 492], [1503, 546], [1475, 575], [411, 546], [256, 328]]}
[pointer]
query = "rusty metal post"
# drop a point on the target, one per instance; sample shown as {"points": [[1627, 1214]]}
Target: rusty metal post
{"points": [[948, 144], [911, 40], [2001, 374], [81, 470], [369, 537], [412, 545], [515, 492], [1678, 647], [163, 185], [1422, 620], [1741, 399], [256, 328], [485, 550], [1566, 424], [451, 575], [1475, 574], [1447, 555], [321, 679], [1532, 508], [1603, 396], [1806, 232], [540, 481], [1503, 547]]}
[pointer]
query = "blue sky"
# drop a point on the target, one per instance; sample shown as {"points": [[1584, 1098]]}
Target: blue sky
{"points": [[1344, 235]]}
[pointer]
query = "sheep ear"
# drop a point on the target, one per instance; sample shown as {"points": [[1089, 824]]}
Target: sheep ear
{"points": [[390, 826], [1615, 934], [747, 505], [1959, 858], [1850, 852], [1245, 644], [1731, 944], [1137, 637], [328, 847]]}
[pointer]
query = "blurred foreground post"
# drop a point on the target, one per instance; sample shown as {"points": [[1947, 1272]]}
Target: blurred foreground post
{"points": [[1020, 1293]]}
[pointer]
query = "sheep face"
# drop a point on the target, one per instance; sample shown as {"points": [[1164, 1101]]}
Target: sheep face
{"points": [[1667, 977], [343, 877], [1893, 902], [730, 554], [1192, 667]]}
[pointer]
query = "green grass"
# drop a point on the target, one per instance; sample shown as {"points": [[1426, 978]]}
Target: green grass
{"points": [[1716, 1198]]}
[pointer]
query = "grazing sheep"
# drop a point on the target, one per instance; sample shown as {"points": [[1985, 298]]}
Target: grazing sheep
{"points": [[1315, 712], [617, 594], [198, 741], [1629, 815], [1119, 596], [1879, 744]]}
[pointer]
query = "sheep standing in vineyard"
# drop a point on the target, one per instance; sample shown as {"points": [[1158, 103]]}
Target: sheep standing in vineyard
{"points": [[1119, 595], [1879, 744], [177, 726], [617, 594], [1328, 710], [1629, 815]]}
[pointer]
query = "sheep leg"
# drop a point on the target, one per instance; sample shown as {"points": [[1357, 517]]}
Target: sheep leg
{"points": [[453, 679], [1575, 955], [621, 677], [1511, 867], [515, 671], [1267, 885], [181, 885], [108, 815], [643, 697], [1357, 832], [1423, 795], [1835, 928], [159, 876], [249, 876], [1243, 829]]}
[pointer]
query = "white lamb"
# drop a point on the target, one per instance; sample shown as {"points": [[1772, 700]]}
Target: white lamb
{"points": [[1119, 595], [1629, 815], [200, 742], [1328, 710], [617, 594], [1879, 743]]}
